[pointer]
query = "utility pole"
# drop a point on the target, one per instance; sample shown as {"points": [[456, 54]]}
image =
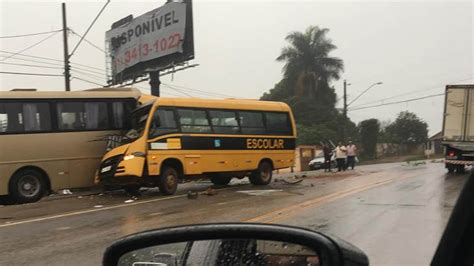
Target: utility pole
{"points": [[345, 100], [67, 75]]}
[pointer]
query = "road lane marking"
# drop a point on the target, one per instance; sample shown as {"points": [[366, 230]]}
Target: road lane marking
{"points": [[45, 218], [293, 210]]}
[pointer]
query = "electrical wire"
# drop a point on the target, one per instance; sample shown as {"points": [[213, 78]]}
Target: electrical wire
{"points": [[30, 74], [28, 65], [163, 91], [89, 42], [412, 92], [88, 29], [178, 90], [88, 74], [34, 61], [31, 46], [47, 58], [398, 102], [85, 80], [27, 35], [200, 91]]}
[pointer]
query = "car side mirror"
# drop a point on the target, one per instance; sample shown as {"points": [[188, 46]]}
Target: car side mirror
{"points": [[232, 244]]}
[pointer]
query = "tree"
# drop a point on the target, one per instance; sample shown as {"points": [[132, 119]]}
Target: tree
{"points": [[307, 61], [305, 87], [408, 128], [369, 131]]}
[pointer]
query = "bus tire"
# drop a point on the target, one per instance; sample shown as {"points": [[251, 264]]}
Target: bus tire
{"points": [[220, 180], [168, 181], [263, 175], [27, 186]]}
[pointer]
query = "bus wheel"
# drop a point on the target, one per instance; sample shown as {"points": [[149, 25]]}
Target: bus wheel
{"points": [[27, 186], [263, 175], [220, 180], [168, 181]]}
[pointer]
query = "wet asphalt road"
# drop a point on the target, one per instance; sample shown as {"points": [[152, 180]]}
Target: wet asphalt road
{"points": [[395, 213]]}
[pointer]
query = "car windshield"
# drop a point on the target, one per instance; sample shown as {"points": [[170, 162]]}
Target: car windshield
{"points": [[352, 118]]}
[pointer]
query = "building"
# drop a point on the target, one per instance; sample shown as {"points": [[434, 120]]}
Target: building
{"points": [[433, 146]]}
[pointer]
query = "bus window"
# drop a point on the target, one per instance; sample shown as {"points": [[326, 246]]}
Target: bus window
{"points": [[277, 123], [194, 121], [251, 122], [121, 114], [224, 122], [163, 122], [82, 115], [37, 117], [29, 117], [12, 120]]}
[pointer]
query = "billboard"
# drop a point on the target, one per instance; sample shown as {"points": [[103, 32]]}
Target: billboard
{"points": [[156, 40]]}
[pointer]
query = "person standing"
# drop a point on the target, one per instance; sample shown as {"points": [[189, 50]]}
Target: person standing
{"points": [[341, 157], [327, 158], [351, 154]]}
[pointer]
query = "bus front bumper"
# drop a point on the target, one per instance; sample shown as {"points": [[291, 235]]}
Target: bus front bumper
{"points": [[117, 172]]}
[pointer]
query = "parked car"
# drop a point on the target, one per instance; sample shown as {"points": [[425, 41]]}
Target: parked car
{"points": [[318, 162]]}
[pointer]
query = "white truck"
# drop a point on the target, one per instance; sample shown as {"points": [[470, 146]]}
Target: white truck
{"points": [[458, 127]]}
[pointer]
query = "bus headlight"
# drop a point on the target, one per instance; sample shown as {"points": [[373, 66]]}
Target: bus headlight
{"points": [[128, 157], [133, 155]]}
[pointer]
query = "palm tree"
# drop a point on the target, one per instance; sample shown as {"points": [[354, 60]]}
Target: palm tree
{"points": [[307, 60]]}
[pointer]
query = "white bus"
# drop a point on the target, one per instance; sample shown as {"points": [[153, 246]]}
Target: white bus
{"points": [[55, 140]]}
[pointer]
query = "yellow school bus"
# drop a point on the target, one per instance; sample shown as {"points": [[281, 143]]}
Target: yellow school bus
{"points": [[176, 138], [55, 140]]}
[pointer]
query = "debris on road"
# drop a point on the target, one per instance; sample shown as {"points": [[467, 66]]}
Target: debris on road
{"points": [[210, 191], [262, 192], [292, 183], [128, 201], [66, 192], [98, 206], [192, 195]]}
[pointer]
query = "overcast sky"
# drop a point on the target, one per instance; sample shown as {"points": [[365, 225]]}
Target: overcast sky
{"points": [[415, 49]]}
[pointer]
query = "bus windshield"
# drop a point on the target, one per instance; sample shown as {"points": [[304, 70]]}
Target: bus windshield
{"points": [[138, 122]]}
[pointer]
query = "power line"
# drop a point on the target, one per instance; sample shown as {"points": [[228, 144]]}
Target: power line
{"points": [[30, 74], [33, 61], [412, 92], [178, 90], [166, 92], [28, 65], [89, 42], [46, 58], [201, 91], [88, 29], [398, 102], [88, 74], [31, 46], [27, 35], [85, 80]]}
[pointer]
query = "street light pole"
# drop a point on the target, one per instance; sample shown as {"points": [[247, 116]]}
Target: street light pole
{"points": [[345, 100], [358, 96]]}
